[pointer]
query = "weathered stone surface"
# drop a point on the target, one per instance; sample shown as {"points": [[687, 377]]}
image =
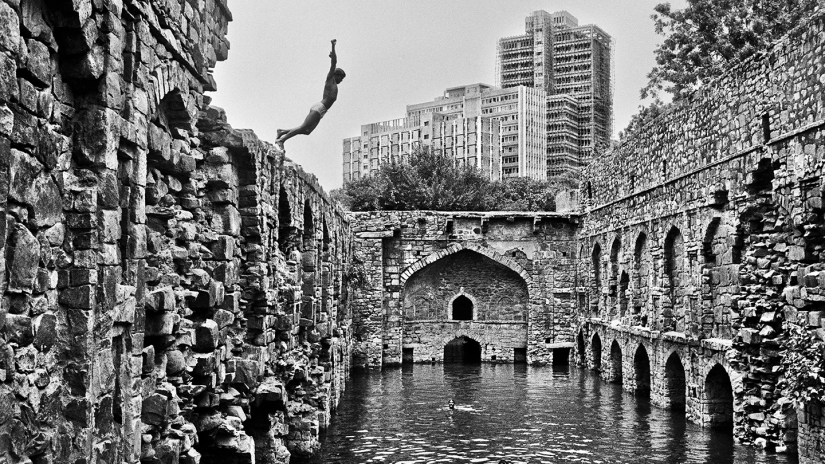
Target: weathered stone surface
{"points": [[128, 210], [159, 324], [206, 336], [9, 29], [154, 410], [19, 329], [160, 300], [23, 260], [45, 331]]}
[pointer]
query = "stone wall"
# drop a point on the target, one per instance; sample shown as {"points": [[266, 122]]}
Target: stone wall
{"points": [[703, 236], [173, 290], [516, 268]]}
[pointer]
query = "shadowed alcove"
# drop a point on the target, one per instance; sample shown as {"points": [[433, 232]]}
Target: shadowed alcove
{"points": [[462, 309], [462, 350]]}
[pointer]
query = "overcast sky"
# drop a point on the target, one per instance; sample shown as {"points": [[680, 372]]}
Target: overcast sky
{"points": [[395, 53]]}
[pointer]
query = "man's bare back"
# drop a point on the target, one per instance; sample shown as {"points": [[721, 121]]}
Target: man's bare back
{"points": [[318, 110]]}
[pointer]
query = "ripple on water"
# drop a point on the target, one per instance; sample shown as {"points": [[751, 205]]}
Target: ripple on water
{"points": [[520, 413]]}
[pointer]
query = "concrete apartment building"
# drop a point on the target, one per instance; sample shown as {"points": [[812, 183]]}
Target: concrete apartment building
{"points": [[471, 141], [501, 131], [573, 64]]}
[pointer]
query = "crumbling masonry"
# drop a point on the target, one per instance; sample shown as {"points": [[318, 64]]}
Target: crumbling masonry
{"points": [[698, 245], [176, 291], [172, 289]]}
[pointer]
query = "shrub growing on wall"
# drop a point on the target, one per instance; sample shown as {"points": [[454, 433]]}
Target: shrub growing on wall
{"points": [[804, 364]]}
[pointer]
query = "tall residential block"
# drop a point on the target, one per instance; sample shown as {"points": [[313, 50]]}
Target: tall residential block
{"points": [[573, 64], [519, 113], [471, 141], [500, 131]]}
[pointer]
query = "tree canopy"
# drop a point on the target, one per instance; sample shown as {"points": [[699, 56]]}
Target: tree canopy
{"points": [[708, 36], [430, 180]]}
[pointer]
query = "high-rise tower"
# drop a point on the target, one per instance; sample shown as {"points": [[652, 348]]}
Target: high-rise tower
{"points": [[574, 65]]}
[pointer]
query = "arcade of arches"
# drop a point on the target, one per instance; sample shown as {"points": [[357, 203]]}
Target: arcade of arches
{"points": [[697, 245]]}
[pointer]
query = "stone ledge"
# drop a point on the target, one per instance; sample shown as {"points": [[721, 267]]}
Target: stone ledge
{"points": [[718, 344], [552, 346]]}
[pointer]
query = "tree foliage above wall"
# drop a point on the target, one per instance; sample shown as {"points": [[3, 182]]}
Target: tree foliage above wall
{"points": [[430, 180], [707, 37]]}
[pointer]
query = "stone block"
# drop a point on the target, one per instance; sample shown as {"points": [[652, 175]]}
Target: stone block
{"points": [[97, 137], [82, 297], [223, 318], [224, 247], [154, 410], [23, 259], [270, 392], [205, 364], [125, 312], [750, 336], [161, 300], [206, 337], [8, 79], [38, 65], [220, 176], [9, 30], [175, 362], [45, 331], [19, 329], [160, 324], [245, 372], [230, 220], [226, 273]]}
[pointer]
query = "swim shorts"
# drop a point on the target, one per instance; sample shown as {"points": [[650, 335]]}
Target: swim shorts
{"points": [[319, 108]]}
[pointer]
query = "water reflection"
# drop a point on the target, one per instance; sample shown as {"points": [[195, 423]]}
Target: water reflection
{"points": [[521, 413]]}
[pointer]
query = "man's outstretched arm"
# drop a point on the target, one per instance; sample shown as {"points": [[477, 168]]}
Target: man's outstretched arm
{"points": [[333, 58]]}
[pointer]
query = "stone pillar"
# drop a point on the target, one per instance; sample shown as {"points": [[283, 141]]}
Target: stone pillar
{"points": [[368, 317]]}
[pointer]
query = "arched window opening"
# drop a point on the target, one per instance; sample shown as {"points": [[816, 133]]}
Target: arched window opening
{"points": [[624, 282], [596, 270], [720, 277], [675, 382], [309, 228], [615, 251], [641, 268], [672, 317], [326, 238], [285, 227], [615, 362], [462, 309], [462, 350], [582, 359], [718, 399], [597, 352], [641, 364]]}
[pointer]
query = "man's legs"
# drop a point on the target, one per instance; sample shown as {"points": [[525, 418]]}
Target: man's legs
{"points": [[306, 128]]}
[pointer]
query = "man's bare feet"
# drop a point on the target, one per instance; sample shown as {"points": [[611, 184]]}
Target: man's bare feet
{"points": [[281, 133]]}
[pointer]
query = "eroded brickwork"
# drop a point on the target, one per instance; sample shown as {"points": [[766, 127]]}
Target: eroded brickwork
{"points": [[172, 289], [516, 269], [714, 214]]}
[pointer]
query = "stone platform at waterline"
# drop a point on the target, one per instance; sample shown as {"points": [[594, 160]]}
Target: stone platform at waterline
{"points": [[177, 291]]}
